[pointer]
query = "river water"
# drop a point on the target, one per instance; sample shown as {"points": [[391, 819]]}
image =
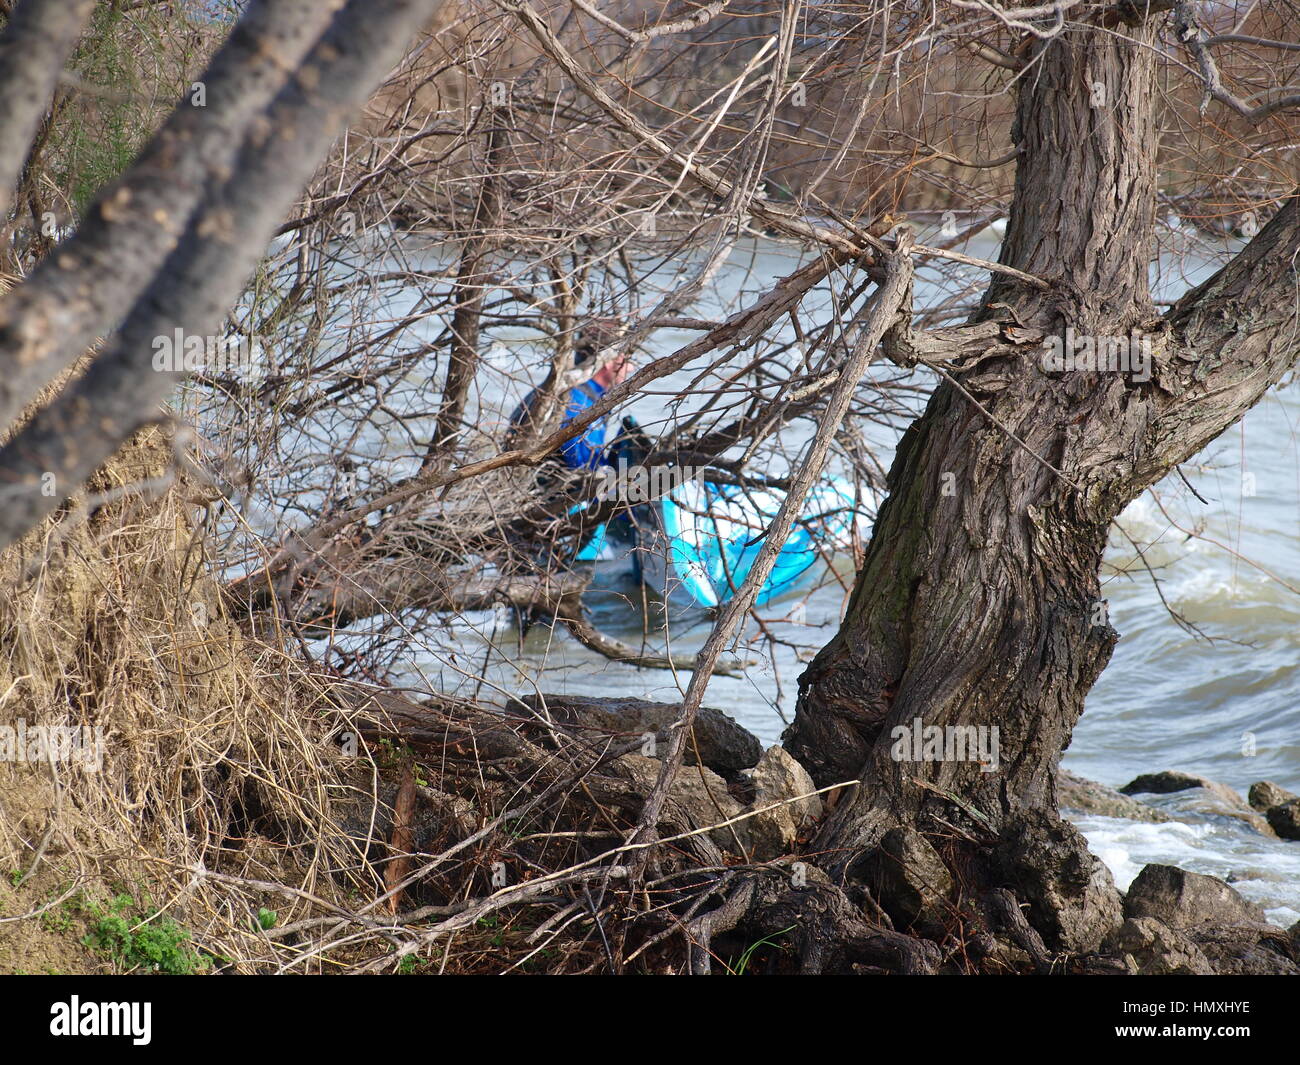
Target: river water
{"points": [[1225, 705]]}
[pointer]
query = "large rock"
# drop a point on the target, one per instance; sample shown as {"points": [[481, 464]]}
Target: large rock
{"points": [[1231, 933], [1213, 798], [1249, 951], [1089, 797], [1188, 901], [1264, 794], [909, 880], [777, 778], [1281, 808], [724, 746], [1170, 780], [1155, 949], [700, 794], [1163, 783], [705, 798], [1285, 819]]}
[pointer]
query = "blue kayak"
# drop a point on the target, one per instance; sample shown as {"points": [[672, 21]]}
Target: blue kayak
{"points": [[697, 543]]}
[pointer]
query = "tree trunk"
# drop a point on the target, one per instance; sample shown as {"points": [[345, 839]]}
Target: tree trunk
{"points": [[978, 601], [471, 289]]}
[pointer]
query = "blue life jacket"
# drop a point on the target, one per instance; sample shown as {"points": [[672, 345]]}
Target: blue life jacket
{"points": [[585, 451]]}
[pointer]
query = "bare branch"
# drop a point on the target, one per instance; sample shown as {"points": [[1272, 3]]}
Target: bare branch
{"points": [[212, 262], [81, 289], [1196, 42], [37, 39]]}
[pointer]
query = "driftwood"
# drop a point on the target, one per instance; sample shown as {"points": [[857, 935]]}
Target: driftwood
{"points": [[401, 841]]}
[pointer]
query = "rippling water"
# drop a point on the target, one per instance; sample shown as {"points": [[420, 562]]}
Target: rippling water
{"points": [[1226, 706]]}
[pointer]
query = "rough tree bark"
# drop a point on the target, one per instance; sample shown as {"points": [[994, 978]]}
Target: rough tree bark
{"points": [[977, 603]]}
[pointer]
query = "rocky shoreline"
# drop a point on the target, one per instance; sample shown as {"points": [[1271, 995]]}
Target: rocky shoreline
{"points": [[763, 804], [754, 812], [1269, 809]]}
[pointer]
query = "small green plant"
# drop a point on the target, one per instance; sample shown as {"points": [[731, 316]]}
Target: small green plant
{"points": [[266, 919], [748, 955], [490, 923], [60, 919], [154, 943]]}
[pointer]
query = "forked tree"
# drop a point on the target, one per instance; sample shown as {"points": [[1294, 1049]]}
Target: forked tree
{"points": [[978, 602]]}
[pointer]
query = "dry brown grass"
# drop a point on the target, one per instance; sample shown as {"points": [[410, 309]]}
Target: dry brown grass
{"points": [[218, 756]]}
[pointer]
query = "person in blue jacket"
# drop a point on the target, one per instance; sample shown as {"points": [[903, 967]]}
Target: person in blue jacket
{"points": [[586, 452]]}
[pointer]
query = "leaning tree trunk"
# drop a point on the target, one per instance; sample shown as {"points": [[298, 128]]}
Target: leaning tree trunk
{"points": [[978, 601]]}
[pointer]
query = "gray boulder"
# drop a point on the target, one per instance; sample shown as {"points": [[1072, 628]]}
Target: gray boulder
{"points": [[705, 798], [1264, 794], [1162, 783], [1231, 933], [1154, 949], [724, 746], [1089, 797], [1249, 951], [773, 829], [701, 796], [1285, 819], [1170, 780], [1187, 901], [1212, 798]]}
